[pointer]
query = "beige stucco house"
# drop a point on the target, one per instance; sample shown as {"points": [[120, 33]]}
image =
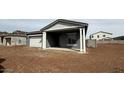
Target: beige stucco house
{"points": [[101, 35]]}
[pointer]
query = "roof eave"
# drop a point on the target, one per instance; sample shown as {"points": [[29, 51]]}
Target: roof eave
{"points": [[81, 24]]}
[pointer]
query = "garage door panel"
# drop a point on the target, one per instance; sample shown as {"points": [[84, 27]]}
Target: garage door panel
{"points": [[35, 42]]}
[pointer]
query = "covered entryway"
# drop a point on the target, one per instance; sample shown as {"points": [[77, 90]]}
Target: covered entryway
{"points": [[63, 39], [65, 34], [35, 41]]}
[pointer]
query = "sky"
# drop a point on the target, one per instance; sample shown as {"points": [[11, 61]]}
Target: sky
{"points": [[115, 26]]}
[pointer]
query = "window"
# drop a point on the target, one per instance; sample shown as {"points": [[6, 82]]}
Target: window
{"points": [[20, 41], [103, 35], [97, 36], [2, 39], [72, 38], [71, 41]]}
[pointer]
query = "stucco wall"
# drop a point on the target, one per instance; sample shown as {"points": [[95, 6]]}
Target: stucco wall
{"points": [[18, 40], [111, 42], [91, 43]]}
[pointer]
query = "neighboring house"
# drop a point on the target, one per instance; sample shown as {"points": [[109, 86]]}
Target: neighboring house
{"points": [[61, 34], [101, 35], [11, 40]]}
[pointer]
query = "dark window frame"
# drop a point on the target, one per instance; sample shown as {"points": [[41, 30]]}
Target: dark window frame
{"points": [[104, 35], [72, 38], [92, 36], [97, 36]]}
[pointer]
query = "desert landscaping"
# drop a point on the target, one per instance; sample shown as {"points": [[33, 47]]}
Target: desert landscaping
{"points": [[104, 58]]}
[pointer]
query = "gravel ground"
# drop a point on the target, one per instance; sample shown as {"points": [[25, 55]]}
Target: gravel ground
{"points": [[104, 58]]}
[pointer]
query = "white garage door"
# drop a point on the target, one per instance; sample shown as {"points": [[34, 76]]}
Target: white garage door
{"points": [[35, 41]]}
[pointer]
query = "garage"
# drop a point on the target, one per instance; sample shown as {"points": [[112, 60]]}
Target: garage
{"points": [[35, 41]]}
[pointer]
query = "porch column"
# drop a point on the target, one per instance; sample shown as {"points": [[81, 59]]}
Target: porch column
{"points": [[44, 40], [81, 41], [84, 40]]}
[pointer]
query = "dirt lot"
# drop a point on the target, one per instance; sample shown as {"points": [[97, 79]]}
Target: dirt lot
{"points": [[104, 58]]}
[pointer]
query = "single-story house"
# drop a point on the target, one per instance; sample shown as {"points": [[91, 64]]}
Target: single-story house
{"points": [[101, 35], [13, 39], [60, 34]]}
